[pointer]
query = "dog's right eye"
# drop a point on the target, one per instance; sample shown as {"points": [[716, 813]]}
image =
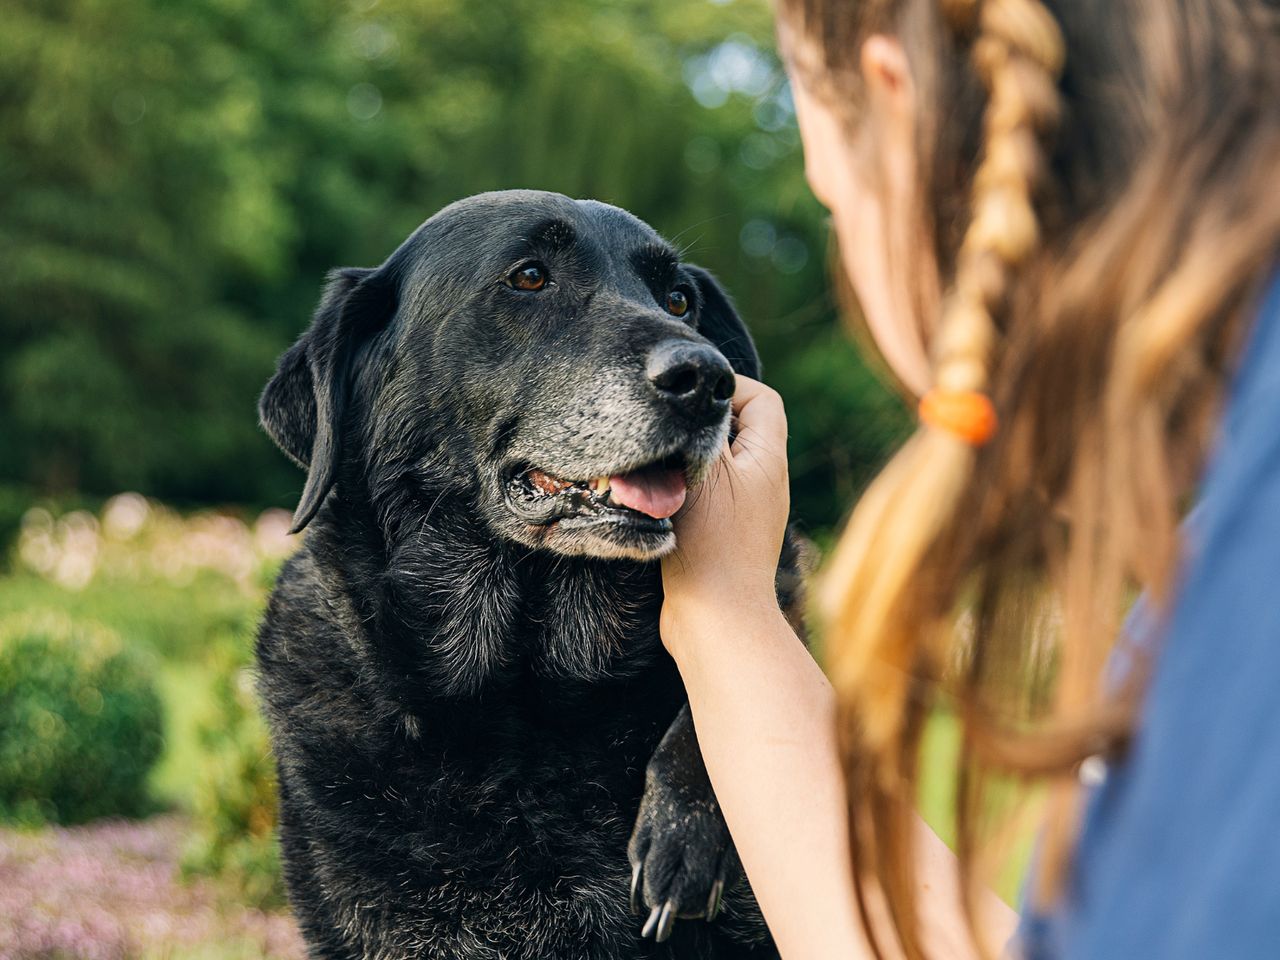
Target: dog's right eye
{"points": [[529, 276]]}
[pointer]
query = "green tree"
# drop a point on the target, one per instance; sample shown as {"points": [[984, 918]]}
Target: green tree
{"points": [[174, 183]]}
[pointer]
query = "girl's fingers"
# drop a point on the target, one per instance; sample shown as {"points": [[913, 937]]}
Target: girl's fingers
{"points": [[761, 417]]}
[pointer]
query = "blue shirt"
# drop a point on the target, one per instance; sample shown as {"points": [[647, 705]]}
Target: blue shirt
{"points": [[1179, 855]]}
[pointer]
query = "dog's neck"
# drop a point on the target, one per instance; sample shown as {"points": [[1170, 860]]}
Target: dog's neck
{"points": [[452, 612]]}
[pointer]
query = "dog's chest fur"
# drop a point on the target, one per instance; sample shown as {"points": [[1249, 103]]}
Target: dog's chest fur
{"points": [[462, 744]]}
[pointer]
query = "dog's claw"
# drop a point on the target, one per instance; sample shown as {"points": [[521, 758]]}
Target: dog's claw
{"points": [[652, 922], [666, 920], [635, 889], [713, 901]]}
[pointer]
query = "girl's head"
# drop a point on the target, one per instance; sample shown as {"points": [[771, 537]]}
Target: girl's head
{"points": [[1067, 206]]}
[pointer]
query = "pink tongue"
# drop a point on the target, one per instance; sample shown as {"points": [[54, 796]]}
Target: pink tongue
{"points": [[658, 493]]}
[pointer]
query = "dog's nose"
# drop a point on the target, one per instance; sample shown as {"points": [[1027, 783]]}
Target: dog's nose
{"points": [[692, 376]]}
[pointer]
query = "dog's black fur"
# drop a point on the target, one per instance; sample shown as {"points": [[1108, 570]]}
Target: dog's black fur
{"points": [[463, 679]]}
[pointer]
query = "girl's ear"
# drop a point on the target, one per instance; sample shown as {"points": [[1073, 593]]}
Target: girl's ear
{"points": [[886, 71], [719, 322], [302, 406]]}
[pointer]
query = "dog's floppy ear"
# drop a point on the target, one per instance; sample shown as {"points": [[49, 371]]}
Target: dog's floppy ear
{"points": [[303, 404], [719, 322]]}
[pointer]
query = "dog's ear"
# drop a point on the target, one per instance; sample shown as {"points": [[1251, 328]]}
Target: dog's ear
{"points": [[303, 404], [719, 322]]}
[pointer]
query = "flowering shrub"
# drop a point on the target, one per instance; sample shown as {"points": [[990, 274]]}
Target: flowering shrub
{"points": [[80, 722], [138, 540]]}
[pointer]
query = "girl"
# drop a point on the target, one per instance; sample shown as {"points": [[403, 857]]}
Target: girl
{"points": [[1062, 219]]}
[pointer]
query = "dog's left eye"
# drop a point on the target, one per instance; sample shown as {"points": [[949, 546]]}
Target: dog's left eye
{"points": [[529, 276], [677, 303]]}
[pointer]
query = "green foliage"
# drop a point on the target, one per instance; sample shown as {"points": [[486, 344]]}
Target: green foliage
{"points": [[170, 201], [14, 502], [847, 427], [80, 722], [234, 787]]}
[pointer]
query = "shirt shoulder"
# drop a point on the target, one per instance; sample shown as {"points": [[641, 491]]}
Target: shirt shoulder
{"points": [[1179, 856]]}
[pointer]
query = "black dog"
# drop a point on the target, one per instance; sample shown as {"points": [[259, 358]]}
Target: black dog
{"points": [[461, 667]]}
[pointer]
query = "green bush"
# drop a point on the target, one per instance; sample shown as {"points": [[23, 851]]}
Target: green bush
{"points": [[80, 722], [234, 797]]}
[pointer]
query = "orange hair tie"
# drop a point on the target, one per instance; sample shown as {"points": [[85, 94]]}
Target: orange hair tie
{"points": [[967, 414]]}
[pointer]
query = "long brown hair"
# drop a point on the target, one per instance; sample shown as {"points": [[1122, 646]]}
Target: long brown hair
{"points": [[1099, 179]]}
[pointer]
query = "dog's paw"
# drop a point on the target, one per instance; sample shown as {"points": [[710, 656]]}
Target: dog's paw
{"points": [[681, 858]]}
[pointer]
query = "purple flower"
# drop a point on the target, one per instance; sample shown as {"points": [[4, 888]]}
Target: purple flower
{"points": [[112, 890]]}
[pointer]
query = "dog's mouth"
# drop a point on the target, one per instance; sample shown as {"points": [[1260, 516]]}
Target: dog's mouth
{"points": [[645, 497]]}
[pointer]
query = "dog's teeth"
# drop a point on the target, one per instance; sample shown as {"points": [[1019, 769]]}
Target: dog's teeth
{"points": [[600, 485]]}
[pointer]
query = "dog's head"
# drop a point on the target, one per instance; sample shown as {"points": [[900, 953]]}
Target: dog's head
{"points": [[552, 360]]}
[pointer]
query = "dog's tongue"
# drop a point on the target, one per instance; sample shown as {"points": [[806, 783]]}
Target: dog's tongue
{"points": [[654, 491]]}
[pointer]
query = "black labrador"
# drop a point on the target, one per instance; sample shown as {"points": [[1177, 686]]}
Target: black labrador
{"points": [[474, 719]]}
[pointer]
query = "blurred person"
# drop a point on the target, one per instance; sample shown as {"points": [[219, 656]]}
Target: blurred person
{"points": [[1060, 218]]}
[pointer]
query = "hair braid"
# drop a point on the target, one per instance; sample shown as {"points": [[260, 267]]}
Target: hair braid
{"points": [[882, 640], [1018, 54]]}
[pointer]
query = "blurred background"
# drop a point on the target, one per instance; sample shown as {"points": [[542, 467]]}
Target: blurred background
{"points": [[175, 180]]}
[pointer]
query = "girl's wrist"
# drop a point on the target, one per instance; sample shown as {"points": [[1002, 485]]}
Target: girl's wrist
{"points": [[704, 617]]}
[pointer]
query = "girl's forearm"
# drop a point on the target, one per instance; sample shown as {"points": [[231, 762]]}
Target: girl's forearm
{"points": [[764, 716], [763, 713]]}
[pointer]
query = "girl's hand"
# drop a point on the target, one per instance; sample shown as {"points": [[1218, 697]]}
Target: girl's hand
{"points": [[729, 535]]}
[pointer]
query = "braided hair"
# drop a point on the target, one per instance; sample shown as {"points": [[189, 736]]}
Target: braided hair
{"points": [[1018, 54]]}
